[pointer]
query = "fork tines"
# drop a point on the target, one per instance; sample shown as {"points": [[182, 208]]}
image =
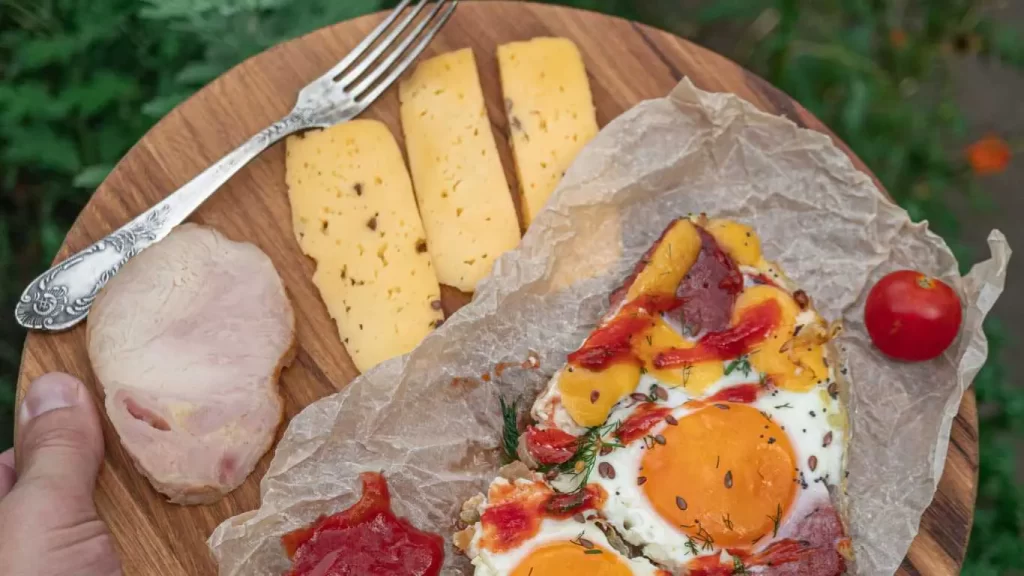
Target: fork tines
{"points": [[372, 66]]}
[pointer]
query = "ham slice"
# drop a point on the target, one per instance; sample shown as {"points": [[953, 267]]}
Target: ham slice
{"points": [[188, 342]]}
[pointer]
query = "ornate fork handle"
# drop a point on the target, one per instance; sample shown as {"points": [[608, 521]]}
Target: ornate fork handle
{"points": [[61, 297]]}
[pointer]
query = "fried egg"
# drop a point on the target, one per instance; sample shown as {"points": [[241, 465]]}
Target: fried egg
{"points": [[544, 546], [720, 475], [707, 412]]}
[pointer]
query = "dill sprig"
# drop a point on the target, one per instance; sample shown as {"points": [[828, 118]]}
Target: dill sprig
{"points": [[707, 542], [776, 519], [585, 459], [742, 363], [738, 567], [510, 429], [691, 547]]}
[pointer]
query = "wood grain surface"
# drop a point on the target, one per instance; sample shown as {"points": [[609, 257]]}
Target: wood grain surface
{"points": [[159, 538]]}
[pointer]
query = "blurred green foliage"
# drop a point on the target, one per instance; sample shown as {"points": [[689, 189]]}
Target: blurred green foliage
{"points": [[80, 82]]}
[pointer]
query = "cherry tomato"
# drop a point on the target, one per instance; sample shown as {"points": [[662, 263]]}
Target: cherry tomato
{"points": [[912, 316]]}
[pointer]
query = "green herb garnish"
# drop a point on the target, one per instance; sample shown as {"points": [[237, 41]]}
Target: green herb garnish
{"points": [[776, 519], [742, 363], [691, 547], [585, 459], [510, 429]]}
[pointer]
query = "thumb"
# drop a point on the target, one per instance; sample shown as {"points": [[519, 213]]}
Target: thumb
{"points": [[60, 442]]}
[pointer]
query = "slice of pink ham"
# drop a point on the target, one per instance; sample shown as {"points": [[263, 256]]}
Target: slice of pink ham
{"points": [[188, 341]]}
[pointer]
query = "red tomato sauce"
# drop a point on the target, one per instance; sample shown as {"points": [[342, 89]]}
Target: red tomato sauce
{"points": [[610, 343], [639, 423], [511, 522], [366, 540], [753, 327], [709, 289]]}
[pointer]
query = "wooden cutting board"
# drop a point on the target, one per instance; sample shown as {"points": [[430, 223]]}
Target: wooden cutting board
{"points": [[158, 538]]}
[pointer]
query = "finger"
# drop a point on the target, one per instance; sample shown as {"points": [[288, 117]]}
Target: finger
{"points": [[7, 475], [60, 442]]}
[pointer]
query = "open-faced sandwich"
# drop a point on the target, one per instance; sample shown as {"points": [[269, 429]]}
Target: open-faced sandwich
{"points": [[699, 429]]}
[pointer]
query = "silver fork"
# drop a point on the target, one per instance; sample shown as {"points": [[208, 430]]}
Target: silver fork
{"points": [[61, 297]]}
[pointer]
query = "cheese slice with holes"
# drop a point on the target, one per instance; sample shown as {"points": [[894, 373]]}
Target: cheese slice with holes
{"points": [[550, 113], [354, 213], [463, 195]]}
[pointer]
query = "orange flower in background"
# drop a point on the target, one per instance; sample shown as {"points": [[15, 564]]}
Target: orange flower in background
{"points": [[898, 38], [990, 155]]}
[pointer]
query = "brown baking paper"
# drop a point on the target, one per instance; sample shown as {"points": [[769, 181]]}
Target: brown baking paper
{"points": [[435, 436]]}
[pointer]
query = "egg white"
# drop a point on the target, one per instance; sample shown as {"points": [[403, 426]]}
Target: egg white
{"points": [[488, 563], [805, 416]]}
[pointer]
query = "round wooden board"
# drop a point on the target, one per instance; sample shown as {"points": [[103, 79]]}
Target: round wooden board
{"points": [[155, 537]]}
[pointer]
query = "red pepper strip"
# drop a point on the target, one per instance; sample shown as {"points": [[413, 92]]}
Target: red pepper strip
{"points": [[752, 328], [610, 343], [551, 446], [776, 554], [741, 394], [711, 567], [780, 552], [640, 422]]}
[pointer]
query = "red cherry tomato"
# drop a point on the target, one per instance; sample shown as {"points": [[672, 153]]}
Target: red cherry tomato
{"points": [[911, 316]]}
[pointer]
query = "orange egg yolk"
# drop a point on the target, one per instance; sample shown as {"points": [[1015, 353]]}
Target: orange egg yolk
{"points": [[562, 558], [725, 475], [791, 367], [694, 377]]}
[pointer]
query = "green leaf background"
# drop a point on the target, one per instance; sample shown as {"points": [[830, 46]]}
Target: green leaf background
{"points": [[80, 82]]}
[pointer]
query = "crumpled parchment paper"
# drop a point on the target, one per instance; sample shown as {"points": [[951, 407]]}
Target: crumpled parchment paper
{"points": [[435, 435]]}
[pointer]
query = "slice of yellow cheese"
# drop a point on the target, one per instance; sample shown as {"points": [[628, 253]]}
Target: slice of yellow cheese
{"points": [[354, 213], [463, 196], [550, 113]]}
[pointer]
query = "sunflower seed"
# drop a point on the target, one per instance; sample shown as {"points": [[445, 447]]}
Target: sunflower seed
{"points": [[606, 470]]}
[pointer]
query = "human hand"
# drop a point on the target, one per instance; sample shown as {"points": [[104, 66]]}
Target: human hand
{"points": [[48, 521]]}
